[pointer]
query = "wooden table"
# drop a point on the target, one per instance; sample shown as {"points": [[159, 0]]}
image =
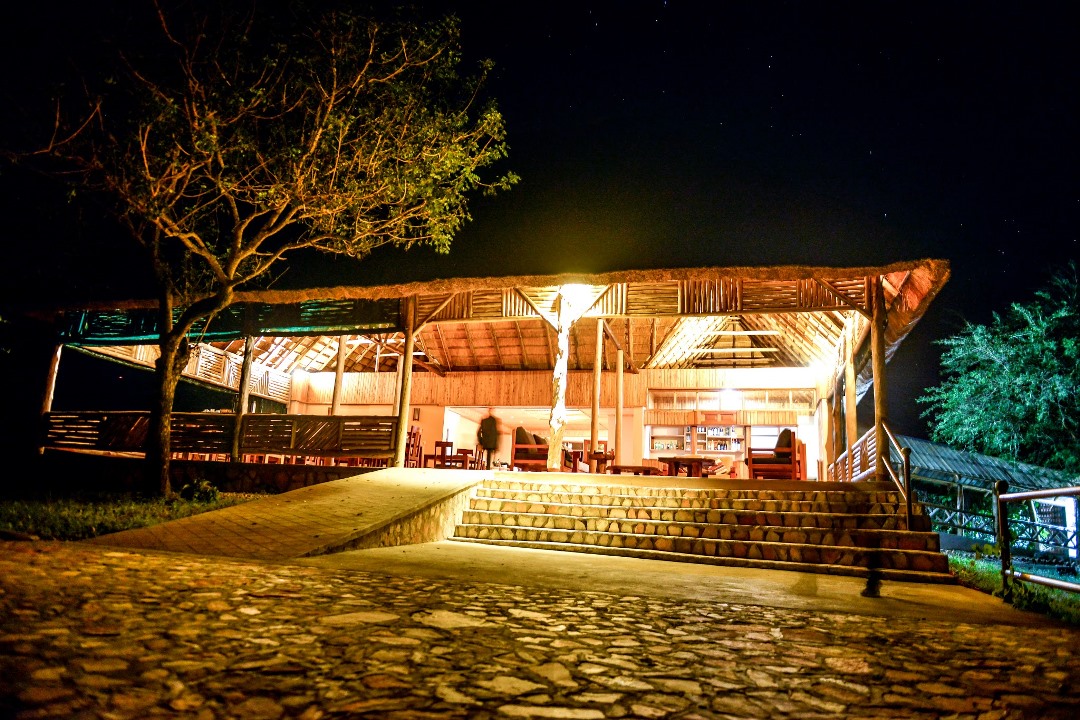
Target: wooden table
{"points": [[460, 459], [691, 463], [634, 470]]}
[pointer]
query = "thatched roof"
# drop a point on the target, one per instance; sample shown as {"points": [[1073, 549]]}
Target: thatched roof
{"points": [[768, 316]]}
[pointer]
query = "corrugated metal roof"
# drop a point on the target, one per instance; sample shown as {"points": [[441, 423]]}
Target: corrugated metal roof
{"points": [[936, 462]]}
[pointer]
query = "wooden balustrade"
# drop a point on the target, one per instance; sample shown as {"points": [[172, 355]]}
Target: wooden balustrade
{"points": [[210, 434], [858, 462]]}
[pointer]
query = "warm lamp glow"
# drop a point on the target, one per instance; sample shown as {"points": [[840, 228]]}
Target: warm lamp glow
{"points": [[576, 299], [731, 400]]}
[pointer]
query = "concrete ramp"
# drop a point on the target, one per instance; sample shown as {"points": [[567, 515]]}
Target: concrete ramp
{"points": [[393, 506]]}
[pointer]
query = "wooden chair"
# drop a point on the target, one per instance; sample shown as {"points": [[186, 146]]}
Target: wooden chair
{"points": [[414, 448], [441, 457], [784, 462], [478, 461]]}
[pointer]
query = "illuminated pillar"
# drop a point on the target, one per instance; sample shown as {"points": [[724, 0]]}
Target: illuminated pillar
{"points": [[339, 376], [598, 361], [618, 406], [557, 419], [406, 363]]}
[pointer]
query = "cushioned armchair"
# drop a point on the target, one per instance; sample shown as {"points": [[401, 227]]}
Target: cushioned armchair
{"points": [[530, 451], [784, 462]]}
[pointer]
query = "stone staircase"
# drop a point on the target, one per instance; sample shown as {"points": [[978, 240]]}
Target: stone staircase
{"points": [[836, 528]]}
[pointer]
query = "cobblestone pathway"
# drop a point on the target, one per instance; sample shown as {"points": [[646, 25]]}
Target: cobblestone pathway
{"points": [[93, 632]]}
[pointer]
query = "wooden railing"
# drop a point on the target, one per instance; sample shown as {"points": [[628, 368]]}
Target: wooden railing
{"points": [[1005, 538], [211, 365], [361, 436], [859, 463]]}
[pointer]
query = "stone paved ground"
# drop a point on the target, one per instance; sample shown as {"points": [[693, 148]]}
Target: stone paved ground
{"points": [[95, 632]]}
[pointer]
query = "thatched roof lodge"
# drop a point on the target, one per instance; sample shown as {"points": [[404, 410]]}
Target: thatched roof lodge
{"points": [[784, 346]]}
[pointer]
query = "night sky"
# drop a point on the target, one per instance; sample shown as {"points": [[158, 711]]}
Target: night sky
{"points": [[677, 134]]}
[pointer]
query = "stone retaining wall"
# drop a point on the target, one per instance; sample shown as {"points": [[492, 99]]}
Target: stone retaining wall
{"points": [[67, 472]]}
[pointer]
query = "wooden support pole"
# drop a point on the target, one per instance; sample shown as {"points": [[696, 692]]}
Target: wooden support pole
{"points": [[851, 417], [619, 455], [49, 393], [402, 436], [594, 431], [243, 392], [877, 353], [339, 376], [50, 380]]}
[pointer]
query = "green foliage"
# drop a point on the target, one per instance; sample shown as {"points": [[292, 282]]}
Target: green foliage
{"points": [[1012, 388], [985, 576], [80, 518], [200, 492], [246, 133], [236, 134]]}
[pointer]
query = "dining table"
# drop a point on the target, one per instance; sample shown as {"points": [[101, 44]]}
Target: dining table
{"points": [[692, 464]]}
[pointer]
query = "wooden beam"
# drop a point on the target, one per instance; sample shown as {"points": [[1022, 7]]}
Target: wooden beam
{"points": [[877, 349], [472, 350], [50, 380], [841, 296], [427, 318], [382, 344], [445, 350], [618, 346], [851, 421], [521, 339], [543, 315], [495, 342]]}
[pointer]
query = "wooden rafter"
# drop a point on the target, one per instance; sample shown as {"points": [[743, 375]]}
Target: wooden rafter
{"points": [[427, 318], [495, 343], [445, 351], [524, 350], [841, 296], [396, 349], [627, 356]]}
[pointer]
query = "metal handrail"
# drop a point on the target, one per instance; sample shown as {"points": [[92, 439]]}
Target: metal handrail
{"points": [[1003, 497]]}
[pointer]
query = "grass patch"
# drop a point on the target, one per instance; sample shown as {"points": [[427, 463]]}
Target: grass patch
{"points": [[86, 516], [984, 574]]}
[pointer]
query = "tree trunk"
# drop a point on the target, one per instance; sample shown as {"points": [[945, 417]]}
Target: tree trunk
{"points": [[557, 418], [169, 367]]}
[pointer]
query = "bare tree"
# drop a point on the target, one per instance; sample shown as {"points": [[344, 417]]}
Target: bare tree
{"points": [[257, 135]]}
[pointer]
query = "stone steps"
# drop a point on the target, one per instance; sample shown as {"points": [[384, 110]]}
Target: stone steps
{"points": [[909, 575], [839, 529], [873, 537], [876, 518], [502, 488]]}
